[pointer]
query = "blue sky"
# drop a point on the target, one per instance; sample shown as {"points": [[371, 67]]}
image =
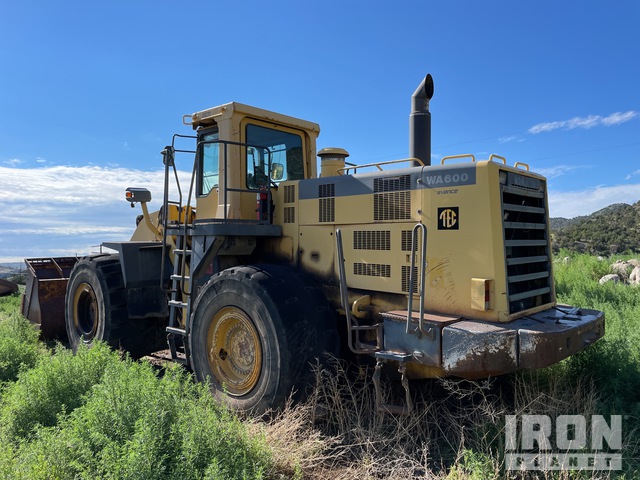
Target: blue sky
{"points": [[90, 92]]}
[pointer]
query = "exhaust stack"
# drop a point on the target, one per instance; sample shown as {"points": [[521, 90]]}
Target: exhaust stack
{"points": [[420, 122]]}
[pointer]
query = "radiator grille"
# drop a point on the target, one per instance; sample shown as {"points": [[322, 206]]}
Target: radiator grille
{"points": [[392, 206], [372, 269], [405, 278], [372, 240], [526, 240], [289, 215], [289, 193]]}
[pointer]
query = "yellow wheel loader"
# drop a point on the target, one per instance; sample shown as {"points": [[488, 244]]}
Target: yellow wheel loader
{"points": [[260, 266]]}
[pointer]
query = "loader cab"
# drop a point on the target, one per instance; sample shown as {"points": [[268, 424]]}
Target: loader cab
{"points": [[243, 150]]}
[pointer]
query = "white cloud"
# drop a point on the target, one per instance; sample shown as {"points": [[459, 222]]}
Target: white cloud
{"points": [[41, 160], [585, 202], [49, 211], [13, 162], [618, 118], [556, 171], [71, 230], [632, 174], [508, 138], [584, 122]]}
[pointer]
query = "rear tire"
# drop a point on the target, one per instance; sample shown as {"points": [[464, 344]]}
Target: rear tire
{"points": [[96, 309], [255, 331]]}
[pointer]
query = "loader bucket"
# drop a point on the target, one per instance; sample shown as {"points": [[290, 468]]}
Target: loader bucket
{"points": [[43, 301]]}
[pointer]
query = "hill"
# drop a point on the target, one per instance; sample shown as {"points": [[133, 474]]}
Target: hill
{"points": [[614, 229], [8, 271]]}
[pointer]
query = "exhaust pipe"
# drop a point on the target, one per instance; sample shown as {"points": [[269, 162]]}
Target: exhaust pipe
{"points": [[420, 122]]}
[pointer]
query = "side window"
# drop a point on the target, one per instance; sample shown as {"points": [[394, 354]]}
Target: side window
{"points": [[209, 151], [273, 156]]}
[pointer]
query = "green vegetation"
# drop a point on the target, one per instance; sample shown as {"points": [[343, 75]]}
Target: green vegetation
{"points": [[95, 415], [98, 415], [613, 229]]}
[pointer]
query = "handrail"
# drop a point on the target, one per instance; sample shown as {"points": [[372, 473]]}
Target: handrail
{"points": [[423, 268], [462, 155], [522, 164], [345, 170], [352, 323], [184, 223], [493, 155]]}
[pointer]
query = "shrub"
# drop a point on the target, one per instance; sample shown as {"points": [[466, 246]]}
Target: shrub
{"points": [[56, 385], [135, 425], [19, 346]]}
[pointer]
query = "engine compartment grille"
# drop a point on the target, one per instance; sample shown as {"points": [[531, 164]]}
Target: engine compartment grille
{"points": [[372, 240], [526, 242], [372, 269]]}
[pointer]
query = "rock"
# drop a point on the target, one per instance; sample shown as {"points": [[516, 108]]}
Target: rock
{"points": [[601, 259], [634, 261], [634, 277], [566, 260], [612, 277], [623, 269]]}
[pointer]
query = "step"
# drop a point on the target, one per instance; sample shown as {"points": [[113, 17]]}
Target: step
{"points": [[180, 277], [177, 331], [177, 303]]}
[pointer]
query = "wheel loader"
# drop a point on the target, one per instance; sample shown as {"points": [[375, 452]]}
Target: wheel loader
{"points": [[261, 265]]}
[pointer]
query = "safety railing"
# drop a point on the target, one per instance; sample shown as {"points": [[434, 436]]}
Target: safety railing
{"points": [[378, 165]]}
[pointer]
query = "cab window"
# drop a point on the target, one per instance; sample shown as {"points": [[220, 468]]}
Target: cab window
{"points": [[209, 154], [273, 156]]}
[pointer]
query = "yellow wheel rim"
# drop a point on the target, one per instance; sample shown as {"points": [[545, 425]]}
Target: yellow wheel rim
{"points": [[85, 311], [234, 351]]}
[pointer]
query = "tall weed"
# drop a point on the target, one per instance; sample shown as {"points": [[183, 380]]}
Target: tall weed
{"points": [[19, 345]]}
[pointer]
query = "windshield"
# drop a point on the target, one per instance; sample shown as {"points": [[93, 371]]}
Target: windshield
{"points": [[274, 156]]}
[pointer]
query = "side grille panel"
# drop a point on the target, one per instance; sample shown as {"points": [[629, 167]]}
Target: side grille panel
{"points": [[406, 270], [392, 184], [406, 241], [372, 240], [327, 202], [289, 193], [327, 210], [392, 198], [289, 215], [372, 269], [392, 206]]}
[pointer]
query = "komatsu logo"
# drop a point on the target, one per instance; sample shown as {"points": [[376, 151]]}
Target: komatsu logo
{"points": [[448, 179]]}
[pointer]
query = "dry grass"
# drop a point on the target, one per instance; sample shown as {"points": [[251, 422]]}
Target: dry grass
{"points": [[456, 431]]}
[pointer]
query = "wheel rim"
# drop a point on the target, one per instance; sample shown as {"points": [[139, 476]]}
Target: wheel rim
{"points": [[85, 311], [234, 351]]}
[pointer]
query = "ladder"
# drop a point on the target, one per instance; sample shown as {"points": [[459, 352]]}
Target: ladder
{"points": [[180, 299], [179, 308]]}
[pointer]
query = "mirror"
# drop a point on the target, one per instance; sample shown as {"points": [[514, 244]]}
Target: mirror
{"points": [[277, 171]]}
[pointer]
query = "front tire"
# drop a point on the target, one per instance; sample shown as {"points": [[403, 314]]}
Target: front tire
{"points": [[255, 330], [96, 309]]}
